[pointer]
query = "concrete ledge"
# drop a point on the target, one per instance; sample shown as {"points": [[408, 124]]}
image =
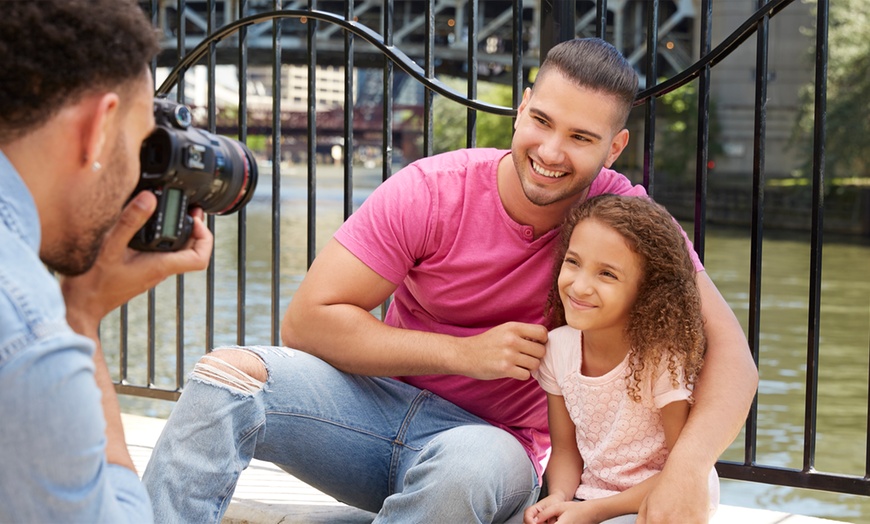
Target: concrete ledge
{"points": [[253, 512], [266, 494]]}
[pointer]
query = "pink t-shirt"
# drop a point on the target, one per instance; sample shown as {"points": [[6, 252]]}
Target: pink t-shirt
{"points": [[438, 230], [622, 442]]}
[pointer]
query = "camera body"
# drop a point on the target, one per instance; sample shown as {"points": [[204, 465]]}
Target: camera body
{"points": [[184, 167]]}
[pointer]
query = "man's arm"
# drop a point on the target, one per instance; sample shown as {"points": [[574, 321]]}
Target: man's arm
{"points": [[329, 317], [723, 396], [118, 275]]}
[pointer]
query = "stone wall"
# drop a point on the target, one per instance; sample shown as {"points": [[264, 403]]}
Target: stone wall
{"points": [[847, 209]]}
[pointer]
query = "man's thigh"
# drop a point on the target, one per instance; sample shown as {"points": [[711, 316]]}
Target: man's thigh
{"points": [[350, 436]]}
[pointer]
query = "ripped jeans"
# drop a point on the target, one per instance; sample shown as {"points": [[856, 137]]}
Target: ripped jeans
{"points": [[374, 443]]}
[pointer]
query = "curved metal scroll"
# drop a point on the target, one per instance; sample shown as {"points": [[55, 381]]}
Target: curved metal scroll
{"points": [[403, 61], [395, 55]]}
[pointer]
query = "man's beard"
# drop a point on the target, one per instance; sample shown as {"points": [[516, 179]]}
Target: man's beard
{"points": [[77, 255], [542, 197], [77, 252]]}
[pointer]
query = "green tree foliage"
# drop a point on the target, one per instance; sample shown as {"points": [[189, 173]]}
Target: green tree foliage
{"points": [[847, 147], [677, 119], [450, 119]]}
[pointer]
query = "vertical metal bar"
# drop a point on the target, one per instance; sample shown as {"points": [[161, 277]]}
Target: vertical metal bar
{"points": [[243, 216], [471, 118], [150, 347], [123, 346], [387, 137], [123, 332], [650, 115], [212, 125], [758, 181], [867, 438], [179, 279], [818, 212], [518, 79], [557, 24], [179, 332], [181, 50], [348, 113], [601, 19], [701, 168], [387, 13], [429, 65], [276, 174], [312, 136]]}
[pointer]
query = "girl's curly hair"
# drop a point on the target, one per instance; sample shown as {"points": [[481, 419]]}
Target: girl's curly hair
{"points": [[665, 322]]}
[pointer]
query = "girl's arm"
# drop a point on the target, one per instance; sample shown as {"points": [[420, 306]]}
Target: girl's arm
{"points": [[674, 416], [565, 465]]}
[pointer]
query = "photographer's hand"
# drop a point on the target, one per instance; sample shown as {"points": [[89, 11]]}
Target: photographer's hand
{"points": [[119, 274]]}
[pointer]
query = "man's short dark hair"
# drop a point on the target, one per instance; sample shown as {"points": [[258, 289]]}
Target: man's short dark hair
{"points": [[592, 63], [54, 51]]}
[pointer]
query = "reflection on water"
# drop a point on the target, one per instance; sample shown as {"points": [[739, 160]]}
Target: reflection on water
{"points": [[844, 330], [844, 339]]}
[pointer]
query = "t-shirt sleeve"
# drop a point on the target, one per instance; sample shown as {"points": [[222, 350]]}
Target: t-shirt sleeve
{"points": [[546, 373], [391, 229], [561, 357], [610, 181], [664, 391]]}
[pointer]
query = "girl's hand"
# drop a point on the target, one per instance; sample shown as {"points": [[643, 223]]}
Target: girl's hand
{"points": [[564, 512], [546, 510]]}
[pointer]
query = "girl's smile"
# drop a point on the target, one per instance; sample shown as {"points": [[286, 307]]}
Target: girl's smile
{"points": [[599, 279]]}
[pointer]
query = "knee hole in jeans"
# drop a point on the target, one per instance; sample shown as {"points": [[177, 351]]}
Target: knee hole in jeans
{"points": [[238, 369]]}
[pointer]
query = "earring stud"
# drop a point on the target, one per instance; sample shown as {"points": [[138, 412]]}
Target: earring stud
{"points": [[96, 166]]}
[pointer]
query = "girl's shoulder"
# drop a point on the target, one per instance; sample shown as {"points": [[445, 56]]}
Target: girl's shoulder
{"points": [[564, 335]]}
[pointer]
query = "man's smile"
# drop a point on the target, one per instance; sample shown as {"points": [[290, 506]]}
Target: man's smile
{"points": [[546, 172]]}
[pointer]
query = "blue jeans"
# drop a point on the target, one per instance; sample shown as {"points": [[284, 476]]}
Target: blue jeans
{"points": [[374, 443]]}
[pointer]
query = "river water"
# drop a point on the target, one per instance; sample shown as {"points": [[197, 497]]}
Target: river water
{"points": [[844, 331]]}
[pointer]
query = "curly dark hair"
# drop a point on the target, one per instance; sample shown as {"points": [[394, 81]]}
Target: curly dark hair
{"points": [[54, 51], [665, 322]]}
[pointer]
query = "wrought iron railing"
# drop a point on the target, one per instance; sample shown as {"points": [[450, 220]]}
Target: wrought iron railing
{"points": [[549, 23]]}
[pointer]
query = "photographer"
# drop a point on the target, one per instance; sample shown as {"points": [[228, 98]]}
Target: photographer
{"points": [[75, 105]]}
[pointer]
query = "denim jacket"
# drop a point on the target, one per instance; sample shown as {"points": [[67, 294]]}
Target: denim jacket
{"points": [[52, 432]]}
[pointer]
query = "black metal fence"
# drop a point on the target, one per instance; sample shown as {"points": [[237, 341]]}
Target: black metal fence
{"points": [[350, 35]]}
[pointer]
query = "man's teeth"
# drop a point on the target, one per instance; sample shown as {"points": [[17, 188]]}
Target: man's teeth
{"points": [[546, 172]]}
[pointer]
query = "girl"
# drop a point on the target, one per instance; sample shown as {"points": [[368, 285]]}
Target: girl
{"points": [[619, 376]]}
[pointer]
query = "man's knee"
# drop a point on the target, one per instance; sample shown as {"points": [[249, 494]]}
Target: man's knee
{"points": [[481, 468], [238, 369], [490, 449]]}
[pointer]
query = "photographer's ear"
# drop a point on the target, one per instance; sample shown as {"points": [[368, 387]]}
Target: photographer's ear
{"points": [[97, 126]]}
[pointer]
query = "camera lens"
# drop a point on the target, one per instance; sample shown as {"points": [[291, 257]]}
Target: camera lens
{"points": [[235, 177], [186, 166]]}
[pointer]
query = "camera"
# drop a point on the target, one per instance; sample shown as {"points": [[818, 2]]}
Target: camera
{"points": [[184, 167]]}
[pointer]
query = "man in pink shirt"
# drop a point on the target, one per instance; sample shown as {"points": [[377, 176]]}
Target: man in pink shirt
{"points": [[463, 242]]}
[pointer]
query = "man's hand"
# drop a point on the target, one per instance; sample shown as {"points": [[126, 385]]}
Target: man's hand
{"points": [[120, 273], [678, 496], [511, 350]]}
